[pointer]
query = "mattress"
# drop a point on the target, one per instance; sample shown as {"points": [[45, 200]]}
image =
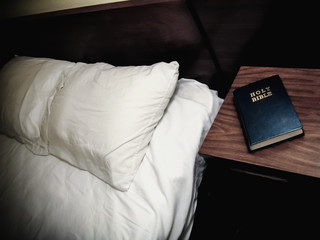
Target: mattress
{"points": [[43, 197]]}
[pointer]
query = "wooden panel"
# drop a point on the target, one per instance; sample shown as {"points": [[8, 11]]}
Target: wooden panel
{"points": [[261, 33], [231, 25], [86, 8], [300, 155], [134, 33], [15, 8]]}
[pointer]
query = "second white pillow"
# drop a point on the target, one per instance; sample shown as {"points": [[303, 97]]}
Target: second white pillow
{"points": [[103, 119]]}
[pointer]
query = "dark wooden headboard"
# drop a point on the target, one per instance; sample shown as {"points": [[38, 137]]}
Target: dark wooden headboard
{"points": [[127, 33]]}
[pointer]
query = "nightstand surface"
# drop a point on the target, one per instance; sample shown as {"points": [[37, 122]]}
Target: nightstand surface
{"points": [[300, 155]]}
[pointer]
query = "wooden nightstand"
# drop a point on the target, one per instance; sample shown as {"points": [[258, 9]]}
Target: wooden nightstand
{"points": [[301, 155]]}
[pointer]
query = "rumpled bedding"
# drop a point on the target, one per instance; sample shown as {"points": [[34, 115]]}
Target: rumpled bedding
{"points": [[43, 197]]}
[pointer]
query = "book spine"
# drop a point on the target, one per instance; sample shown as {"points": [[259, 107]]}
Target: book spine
{"points": [[242, 122]]}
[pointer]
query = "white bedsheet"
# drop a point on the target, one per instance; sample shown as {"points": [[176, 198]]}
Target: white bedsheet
{"points": [[42, 197]]}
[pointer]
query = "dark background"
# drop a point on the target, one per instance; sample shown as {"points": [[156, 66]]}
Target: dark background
{"points": [[277, 33], [238, 201]]}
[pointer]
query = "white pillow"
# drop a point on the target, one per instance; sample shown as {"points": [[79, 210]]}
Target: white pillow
{"points": [[27, 86], [103, 119]]}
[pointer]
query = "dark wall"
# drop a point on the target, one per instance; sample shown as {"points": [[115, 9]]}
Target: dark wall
{"points": [[261, 33], [241, 32], [137, 32]]}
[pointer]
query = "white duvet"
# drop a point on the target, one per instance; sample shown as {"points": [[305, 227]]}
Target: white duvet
{"points": [[42, 197]]}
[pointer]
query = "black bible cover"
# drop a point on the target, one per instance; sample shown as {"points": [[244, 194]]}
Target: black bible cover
{"points": [[266, 113]]}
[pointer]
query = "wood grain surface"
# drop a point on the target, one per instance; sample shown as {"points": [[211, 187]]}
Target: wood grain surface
{"points": [[299, 155]]}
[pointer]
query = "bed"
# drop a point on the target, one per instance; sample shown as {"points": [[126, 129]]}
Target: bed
{"points": [[103, 110]]}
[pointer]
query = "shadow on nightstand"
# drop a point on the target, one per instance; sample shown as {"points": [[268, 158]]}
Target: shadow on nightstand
{"points": [[237, 203]]}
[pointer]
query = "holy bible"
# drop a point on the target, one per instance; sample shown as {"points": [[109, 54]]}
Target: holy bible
{"points": [[266, 113]]}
